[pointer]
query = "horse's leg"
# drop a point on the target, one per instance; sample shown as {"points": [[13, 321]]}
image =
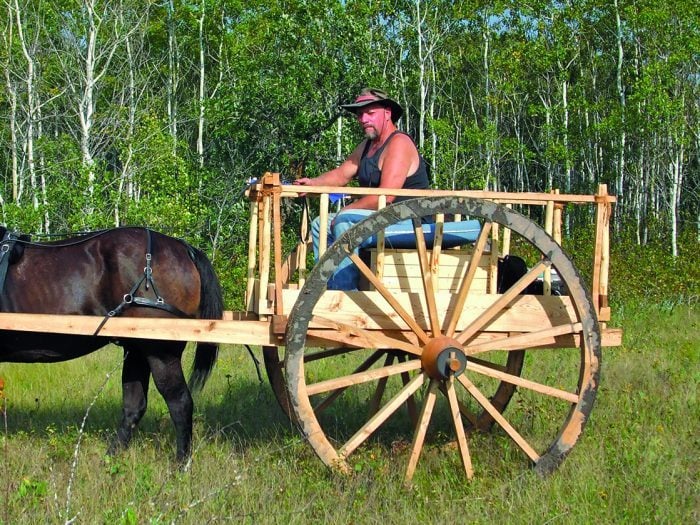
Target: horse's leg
{"points": [[170, 382], [135, 376]]}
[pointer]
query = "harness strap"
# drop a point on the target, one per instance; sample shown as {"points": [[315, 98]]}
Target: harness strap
{"points": [[130, 299], [6, 245]]}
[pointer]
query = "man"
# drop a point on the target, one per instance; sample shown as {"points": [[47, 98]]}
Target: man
{"points": [[387, 158]]}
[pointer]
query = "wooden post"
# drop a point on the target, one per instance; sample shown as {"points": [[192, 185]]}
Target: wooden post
{"points": [[252, 245], [493, 264], [381, 204], [556, 231], [323, 223], [549, 228], [301, 254], [265, 246], [277, 244], [506, 236], [601, 256], [437, 246]]}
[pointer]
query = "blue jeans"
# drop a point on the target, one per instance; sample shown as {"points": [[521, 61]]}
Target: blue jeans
{"points": [[346, 276]]}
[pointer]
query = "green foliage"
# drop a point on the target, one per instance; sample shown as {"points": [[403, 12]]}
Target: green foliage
{"points": [[513, 95], [649, 274], [635, 463]]}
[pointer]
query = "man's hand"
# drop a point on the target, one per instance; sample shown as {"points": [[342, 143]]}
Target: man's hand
{"points": [[304, 181]]}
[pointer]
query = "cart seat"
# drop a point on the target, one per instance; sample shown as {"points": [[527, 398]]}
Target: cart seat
{"points": [[402, 235]]}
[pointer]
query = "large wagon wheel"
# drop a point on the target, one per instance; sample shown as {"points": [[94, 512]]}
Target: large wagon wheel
{"points": [[460, 350]]}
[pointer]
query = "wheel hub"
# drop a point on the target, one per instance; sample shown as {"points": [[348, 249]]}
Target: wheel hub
{"points": [[443, 358]]}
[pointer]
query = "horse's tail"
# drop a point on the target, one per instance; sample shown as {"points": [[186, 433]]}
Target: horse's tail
{"points": [[211, 307]]}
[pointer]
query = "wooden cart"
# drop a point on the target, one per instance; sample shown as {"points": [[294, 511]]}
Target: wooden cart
{"points": [[428, 323]]}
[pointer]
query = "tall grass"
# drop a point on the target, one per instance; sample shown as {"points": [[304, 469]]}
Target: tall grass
{"points": [[637, 461]]}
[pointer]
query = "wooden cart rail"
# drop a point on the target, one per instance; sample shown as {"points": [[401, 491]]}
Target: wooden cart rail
{"points": [[270, 292]]}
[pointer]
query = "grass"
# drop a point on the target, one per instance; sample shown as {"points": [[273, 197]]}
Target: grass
{"points": [[637, 461]]}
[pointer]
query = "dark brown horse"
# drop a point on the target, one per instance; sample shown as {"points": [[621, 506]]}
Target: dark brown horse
{"points": [[126, 272]]}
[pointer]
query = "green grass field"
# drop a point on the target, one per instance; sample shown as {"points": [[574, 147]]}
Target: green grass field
{"points": [[637, 461]]}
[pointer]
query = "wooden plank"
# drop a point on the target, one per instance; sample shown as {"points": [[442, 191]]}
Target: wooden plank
{"points": [[369, 310], [402, 270], [549, 228], [323, 224], [379, 251], [303, 246], [252, 260], [171, 329], [611, 337], [493, 260], [601, 224], [496, 196], [239, 328]]}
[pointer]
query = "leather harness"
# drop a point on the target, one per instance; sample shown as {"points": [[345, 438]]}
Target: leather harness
{"points": [[130, 299]]}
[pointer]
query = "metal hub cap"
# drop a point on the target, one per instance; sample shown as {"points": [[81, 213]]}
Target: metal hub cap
{"points": [[443, 358]]}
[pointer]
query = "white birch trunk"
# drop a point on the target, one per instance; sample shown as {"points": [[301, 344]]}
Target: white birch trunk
{"points": [[623, 134], [200, 126], [31, 108], [173, 76]]}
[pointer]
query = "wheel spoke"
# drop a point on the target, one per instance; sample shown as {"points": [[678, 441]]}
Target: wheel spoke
{"points": [[466, 284], [387, 410], [459, 429], [381, 387], [489, 364], [328, 352], [525, 383], [527, 340], [495, 414], [359, 337], [362, 377], [421, 428], [427, 278], [389, 297], [410, 402], [502, 302], [464, 410], [336, 393]]}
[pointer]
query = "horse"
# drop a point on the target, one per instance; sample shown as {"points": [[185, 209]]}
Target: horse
{"points": [[126, 271]]}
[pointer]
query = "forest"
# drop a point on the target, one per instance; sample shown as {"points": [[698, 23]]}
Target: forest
{"points": [[128, 112]]}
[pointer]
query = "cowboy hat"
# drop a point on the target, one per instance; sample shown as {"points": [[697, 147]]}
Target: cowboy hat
{"points": [[375, 96]]}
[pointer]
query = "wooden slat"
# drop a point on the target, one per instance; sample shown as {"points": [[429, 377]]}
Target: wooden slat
{"points": [[401, 270], [496, 196], [323, 223], [252, 260], [239, 328], [369, 310], [172, 329], [378, 266]]}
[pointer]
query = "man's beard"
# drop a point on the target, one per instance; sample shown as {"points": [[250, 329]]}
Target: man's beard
{"points": [[371, 133]]}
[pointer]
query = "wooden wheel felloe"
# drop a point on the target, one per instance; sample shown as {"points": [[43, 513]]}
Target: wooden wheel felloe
{"points": [[464, 346]]}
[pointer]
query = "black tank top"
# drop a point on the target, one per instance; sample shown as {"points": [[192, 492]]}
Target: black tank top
{"points": [[369, 175]]}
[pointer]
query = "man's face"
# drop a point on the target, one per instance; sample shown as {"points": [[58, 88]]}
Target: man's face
{"points": [[373, 118]]}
